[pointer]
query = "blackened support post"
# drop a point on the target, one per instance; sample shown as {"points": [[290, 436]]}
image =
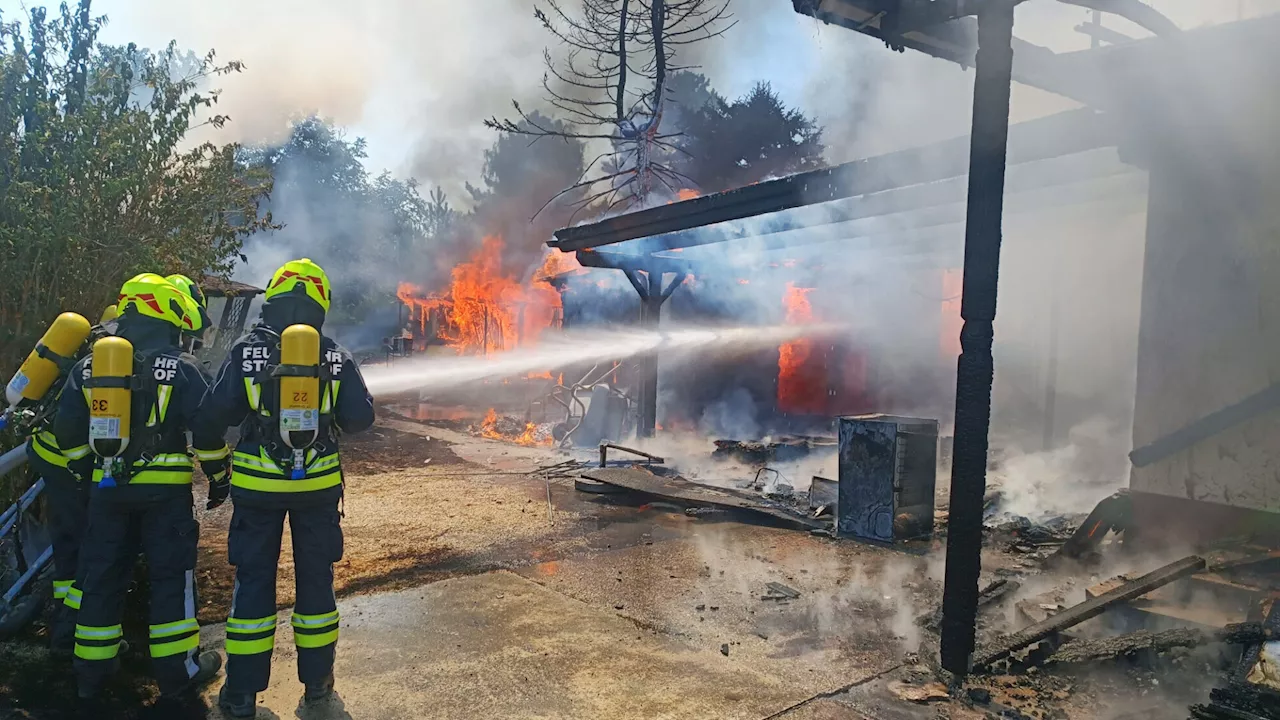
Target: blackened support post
{"points": [[648, 285], [974, 373], [650, 314]]}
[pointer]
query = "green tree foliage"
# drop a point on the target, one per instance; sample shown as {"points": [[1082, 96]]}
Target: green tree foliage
{"points": [[368, 233], [441, 217], [98, 176], [731, 144]]}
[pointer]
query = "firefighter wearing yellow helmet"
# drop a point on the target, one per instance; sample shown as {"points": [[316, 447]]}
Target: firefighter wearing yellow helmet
{"points": [[132, 402], [193, 340], [291, 390]]}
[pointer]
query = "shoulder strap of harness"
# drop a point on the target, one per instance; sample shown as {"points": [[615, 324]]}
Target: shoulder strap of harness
{"points": [[149, 408]]}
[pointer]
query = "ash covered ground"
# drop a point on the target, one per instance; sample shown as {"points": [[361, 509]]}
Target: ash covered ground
{"points": [[444, 530]]}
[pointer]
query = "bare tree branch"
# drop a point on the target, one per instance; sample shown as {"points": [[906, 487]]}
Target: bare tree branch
{"points": [[617, 54]]}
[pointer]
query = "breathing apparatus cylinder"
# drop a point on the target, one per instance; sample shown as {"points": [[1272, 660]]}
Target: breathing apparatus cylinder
{"points": [[110, 399], [52, 354], [110, 313], [299, 374]]}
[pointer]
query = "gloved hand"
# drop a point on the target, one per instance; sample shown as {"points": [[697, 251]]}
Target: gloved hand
{"points": [[219, 474]]}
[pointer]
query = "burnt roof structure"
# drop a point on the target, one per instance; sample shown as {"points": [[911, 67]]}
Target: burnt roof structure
{"points": [[218, 287], [931, 176], [1135, 99]]}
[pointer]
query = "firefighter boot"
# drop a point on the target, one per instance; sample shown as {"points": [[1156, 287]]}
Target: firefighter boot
{"points": [[208, 663], [317, 692], [237, 705]]}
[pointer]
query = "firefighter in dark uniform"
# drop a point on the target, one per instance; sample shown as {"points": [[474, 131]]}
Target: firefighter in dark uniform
{"points": [[67, 499], [270, 481], [145, 489]]}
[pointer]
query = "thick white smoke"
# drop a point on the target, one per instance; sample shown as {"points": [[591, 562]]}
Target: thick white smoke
{"points": [[417, 78]]}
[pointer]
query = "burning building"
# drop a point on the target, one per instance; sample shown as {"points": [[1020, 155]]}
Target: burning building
{"points": [[484, 309], [796, 386]]}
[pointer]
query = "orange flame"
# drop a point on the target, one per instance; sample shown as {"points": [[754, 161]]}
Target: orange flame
{"points": [[486, 310], [489, 426], [686, 194], [800, 389], [489, 429], [558, 263]]}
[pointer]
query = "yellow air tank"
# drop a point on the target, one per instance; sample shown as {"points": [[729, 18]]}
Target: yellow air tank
{"points": [[109, 314], [110, 399], [299, 374], [60, 343]]}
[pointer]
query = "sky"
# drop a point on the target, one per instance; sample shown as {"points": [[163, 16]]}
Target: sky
{"points": [[416, 78]]}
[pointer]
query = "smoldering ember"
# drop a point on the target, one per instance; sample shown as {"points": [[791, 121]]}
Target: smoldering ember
{"points": [[679, 322]]}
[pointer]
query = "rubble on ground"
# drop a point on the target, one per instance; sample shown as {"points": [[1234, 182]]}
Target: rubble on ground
{"points": [[780, 450]]}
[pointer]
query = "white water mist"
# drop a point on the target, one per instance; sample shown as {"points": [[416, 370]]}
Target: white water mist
{"points": [[560, 350]]}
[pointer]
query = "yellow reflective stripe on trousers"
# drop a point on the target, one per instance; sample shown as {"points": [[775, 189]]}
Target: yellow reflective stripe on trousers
{"points": [[90, 632], [314, 621], [250, 647], [175, 647], [187, 627], [74, 595], [97, 652], [238, 627], [266, 623], [315, 641], [304, 624], [174, 628], [46, 446]]}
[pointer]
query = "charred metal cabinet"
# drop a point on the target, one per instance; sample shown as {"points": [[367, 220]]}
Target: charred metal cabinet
{"points": [[888, 473]]}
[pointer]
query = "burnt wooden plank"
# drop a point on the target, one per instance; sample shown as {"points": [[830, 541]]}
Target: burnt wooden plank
{"points": [[1082, 651], [1089, 609], [677, 488]]}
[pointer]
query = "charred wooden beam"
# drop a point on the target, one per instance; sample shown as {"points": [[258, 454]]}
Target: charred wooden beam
{"points": [[974, 371], [1083, 651], [629, 262], [1063, 134], [943, 30], [1065, 180], [1088, 609], [649, 286]]}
